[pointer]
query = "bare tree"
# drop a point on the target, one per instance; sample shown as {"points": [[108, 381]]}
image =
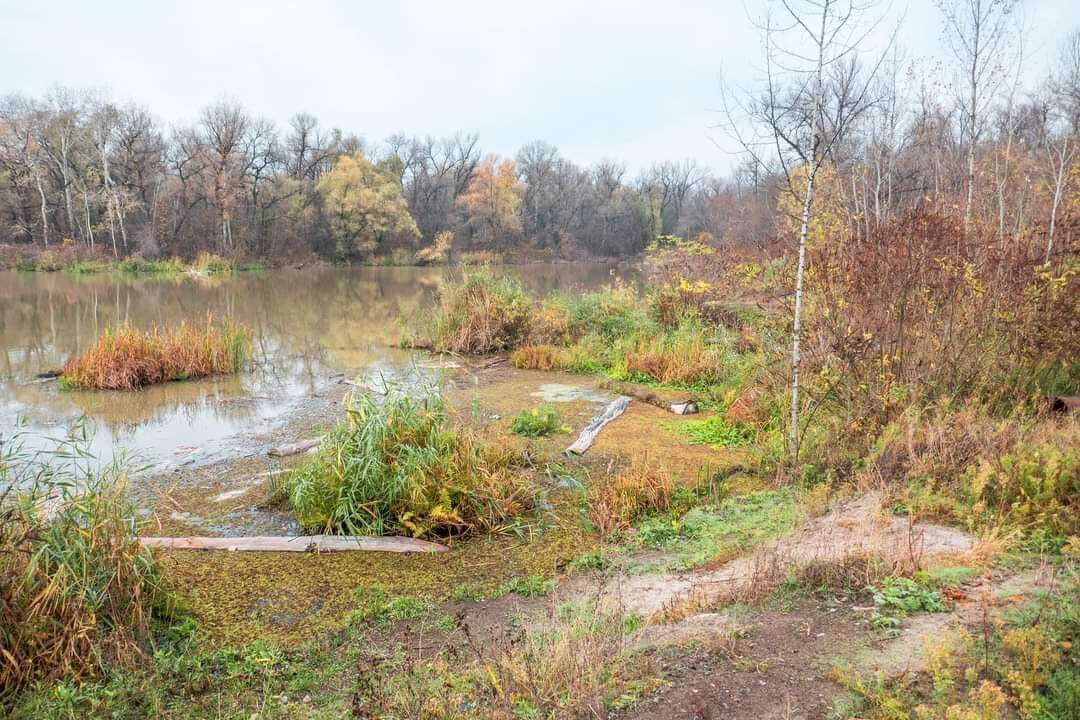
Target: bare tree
{"points": [[980, 35], [1059, 127], [815, 90]]}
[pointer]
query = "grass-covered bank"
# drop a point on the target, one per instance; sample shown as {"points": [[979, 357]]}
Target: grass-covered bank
{"points": [[126, 358], [81, 262]]}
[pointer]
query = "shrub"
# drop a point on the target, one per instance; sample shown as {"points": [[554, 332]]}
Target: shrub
{"points": [[397, 466], [618, 499], [208, 262], [537, 357], [481, 315], [537, 422], [126, 358], [439, 250], [76, 589]]}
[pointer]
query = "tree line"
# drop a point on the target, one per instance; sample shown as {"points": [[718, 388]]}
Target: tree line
{"points": [[857, 141], [76, 167]]}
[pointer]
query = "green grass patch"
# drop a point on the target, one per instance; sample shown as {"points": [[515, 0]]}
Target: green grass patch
{"points": [[377, 606], [707, 533], [715, 431], [397, 466], [528, 586]]}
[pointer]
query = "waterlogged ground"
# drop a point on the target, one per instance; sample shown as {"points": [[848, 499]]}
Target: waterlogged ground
{"points": [[311, 328]]}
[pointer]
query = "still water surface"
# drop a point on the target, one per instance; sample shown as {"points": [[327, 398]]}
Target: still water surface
{"points": [[308, 326]]}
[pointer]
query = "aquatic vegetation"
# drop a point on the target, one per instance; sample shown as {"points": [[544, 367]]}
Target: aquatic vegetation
{"points": [[77, 592], [483, 314], [125, 358], [396, 465], [537, 422], [136, 265], [208, 262]]}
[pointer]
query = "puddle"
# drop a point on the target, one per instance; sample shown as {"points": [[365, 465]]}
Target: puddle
{"points": [[558, 393]]}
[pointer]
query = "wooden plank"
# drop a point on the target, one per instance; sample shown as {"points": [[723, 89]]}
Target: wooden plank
{"points": [[614, 409], [293, 448], [300, 543]]}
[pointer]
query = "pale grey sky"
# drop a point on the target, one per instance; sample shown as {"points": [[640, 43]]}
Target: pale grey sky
{"points": [[637, 81]]}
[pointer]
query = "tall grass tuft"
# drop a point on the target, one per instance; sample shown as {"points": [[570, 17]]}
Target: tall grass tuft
{"points": [[76, 590], [398, 466], [482, 314], [208, 262], [125, 358]]}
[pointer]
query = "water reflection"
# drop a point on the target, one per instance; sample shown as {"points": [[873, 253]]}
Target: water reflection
{"points": [[307, 325]]}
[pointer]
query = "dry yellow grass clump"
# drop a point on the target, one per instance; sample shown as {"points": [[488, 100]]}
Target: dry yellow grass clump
{"points": [[125, 358]]}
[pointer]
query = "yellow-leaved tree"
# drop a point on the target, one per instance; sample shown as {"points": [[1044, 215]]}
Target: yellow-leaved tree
{"points": [[831, 222], [493, 199], [365, 207]]}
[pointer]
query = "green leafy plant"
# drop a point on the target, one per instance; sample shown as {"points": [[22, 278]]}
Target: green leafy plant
{"points": [[897, 597], [537, 422], [716, 431]]}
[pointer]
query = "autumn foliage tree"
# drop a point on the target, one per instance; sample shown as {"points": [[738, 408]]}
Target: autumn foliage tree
{"points": [[365, 207], [492, 201]]}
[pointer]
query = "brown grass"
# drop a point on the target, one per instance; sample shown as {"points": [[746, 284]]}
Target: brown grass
{"points": [[125, 358], [618, 499], [536, 357]]}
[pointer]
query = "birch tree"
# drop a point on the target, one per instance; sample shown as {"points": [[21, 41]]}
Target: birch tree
{"points": [[815, 87]]}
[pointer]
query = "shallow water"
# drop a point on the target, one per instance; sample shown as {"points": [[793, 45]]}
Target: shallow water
{"points": [[310, 326]]}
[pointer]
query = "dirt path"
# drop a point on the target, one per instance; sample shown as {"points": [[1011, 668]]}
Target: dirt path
{"points": [[856, 529]]}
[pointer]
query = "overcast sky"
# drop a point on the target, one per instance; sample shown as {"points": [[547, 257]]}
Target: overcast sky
{"points": [[633, 81]]}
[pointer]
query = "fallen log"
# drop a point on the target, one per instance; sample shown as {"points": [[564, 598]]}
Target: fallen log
{"points": [[293, 448], [300, 543], [614, 409], [680, 403]]}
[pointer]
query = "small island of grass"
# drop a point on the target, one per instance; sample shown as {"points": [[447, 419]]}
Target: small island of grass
{"points": [[126, 358]]}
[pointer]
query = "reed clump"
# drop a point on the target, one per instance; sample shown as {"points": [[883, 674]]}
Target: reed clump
{"points": [[126, 358], [618, 499], [77, 591], [396, 465], [482, 314]]}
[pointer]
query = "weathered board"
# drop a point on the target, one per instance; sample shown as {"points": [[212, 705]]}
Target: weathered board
{"points": [[614, 409], [300, 543], [293, 448]]}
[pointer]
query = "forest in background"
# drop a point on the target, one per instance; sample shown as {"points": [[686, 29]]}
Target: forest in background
{"points": [[79, 169]]}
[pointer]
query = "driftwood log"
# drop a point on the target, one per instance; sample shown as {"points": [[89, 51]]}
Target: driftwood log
{"points": [[680, 403], [293, 448], [613, 410], [300, 543]]}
